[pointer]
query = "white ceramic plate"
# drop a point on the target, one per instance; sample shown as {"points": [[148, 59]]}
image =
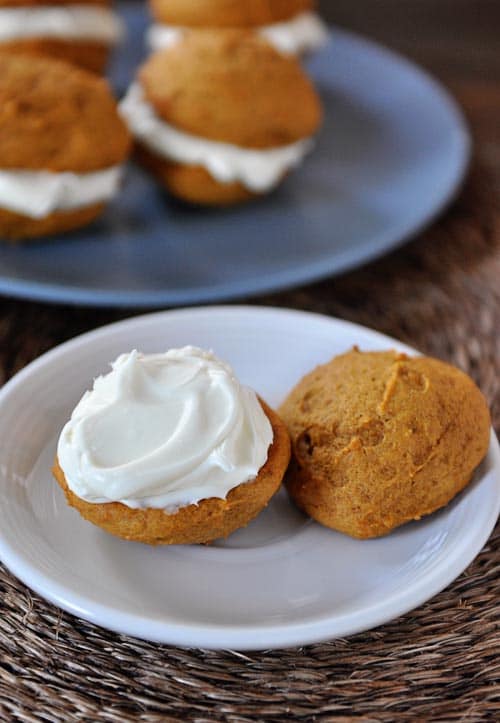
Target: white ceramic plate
{"points": [[284, 580]]}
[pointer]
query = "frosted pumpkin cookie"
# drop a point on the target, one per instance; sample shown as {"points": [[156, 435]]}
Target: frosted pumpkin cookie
{"points": [[81, 32], [62, 146], [380, 438], [221, 116], [291, 26], [171, 449]]}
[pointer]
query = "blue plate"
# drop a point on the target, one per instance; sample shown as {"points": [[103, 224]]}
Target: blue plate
{"points": [[392, 153]]}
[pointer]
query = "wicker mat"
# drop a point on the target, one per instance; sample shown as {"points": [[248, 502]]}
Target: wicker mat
{"points": [[440, 293]]}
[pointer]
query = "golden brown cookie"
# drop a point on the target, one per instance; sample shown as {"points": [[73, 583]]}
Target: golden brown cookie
{"points": [[14, 226], [230, 87], [227, 13], [56, 118], [209, 520], [379, 439]]}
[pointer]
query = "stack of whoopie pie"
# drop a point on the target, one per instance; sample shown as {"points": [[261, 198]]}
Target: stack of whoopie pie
{"points": [[220, 114], [223, 111]]}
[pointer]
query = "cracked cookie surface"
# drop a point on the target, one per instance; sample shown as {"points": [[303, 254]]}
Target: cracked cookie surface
{"points": [[380, 438], [54, 117], [231, 86]]}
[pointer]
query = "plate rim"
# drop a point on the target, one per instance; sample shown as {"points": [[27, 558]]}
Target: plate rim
{"points": [[336, 264], [213, 636]]}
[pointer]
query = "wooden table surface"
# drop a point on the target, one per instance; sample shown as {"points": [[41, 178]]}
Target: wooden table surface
{"points": [[440, 293]]}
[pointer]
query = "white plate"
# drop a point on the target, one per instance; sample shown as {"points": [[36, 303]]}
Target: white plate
{"points": [[284, 580]]}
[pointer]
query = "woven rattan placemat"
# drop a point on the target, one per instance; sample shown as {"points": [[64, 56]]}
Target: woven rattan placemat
{"points": [[440, 293]]}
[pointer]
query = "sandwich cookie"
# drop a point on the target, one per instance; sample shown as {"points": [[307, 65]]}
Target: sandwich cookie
{"points": [[62, 146], [221, 116]]}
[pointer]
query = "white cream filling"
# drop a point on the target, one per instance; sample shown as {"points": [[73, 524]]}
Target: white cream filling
{"points": [[160, 36], [257, 170], [67, 22], [304, 33], [39, 193], [164, 431]]}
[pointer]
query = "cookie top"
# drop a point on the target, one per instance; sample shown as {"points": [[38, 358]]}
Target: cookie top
{"points": [[227, 13], [51, 3], [405, 407], [380, 438], [56, 117], [231, 86]]}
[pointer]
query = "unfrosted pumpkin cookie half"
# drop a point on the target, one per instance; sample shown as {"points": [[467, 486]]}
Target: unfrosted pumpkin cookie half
{"points": [[380, 439]]}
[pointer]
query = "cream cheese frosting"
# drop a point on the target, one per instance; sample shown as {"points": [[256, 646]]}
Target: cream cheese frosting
{"points": [[160, 36], [63, 22], [37, 194], [164, 431], [257, 170], [304, 33]]}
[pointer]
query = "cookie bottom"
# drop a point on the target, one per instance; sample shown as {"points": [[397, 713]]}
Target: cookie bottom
{"points": [[192, 184], [209, 520], [86, 54], [16, 227]]}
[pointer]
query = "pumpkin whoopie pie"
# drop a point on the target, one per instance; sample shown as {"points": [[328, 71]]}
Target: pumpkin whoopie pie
{"points": [[62, 146], [292, 26], [81, 32], [171, 449], [221, 116], [380, 438]]}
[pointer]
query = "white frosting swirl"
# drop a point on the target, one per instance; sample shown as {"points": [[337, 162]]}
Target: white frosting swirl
{"points": [[39, 193], [164, 431], [257, 170], [62, 22], [301, 34]]}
